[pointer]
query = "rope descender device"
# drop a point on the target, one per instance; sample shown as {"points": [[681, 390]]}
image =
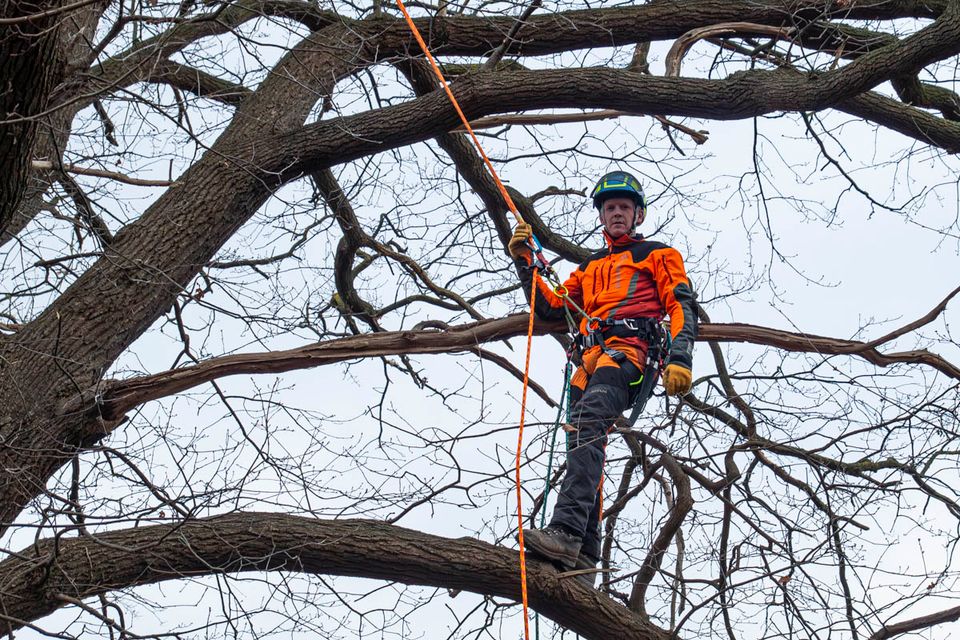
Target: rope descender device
{"points": [[538, 260]]}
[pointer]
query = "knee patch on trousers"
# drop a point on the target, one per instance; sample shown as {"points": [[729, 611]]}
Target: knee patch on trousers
{"points": [[604, 400], [599, 406]]}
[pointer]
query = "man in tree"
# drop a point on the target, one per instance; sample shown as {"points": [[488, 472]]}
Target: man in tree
{"points": [[624, 290]]}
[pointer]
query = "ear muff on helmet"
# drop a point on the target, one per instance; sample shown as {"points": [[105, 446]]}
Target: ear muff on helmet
{"points": [[618, 184]]}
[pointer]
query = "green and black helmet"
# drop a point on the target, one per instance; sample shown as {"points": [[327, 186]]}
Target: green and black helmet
{"points": [[618, 184]]}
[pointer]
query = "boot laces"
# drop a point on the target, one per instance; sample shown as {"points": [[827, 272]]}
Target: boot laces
{"points": [[557, 532]]}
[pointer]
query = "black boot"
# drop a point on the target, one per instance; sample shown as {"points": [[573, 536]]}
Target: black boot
{"points": [[554, 544]]}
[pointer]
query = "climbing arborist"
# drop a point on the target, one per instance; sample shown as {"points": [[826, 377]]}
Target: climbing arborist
{"points": [[621, 293]]}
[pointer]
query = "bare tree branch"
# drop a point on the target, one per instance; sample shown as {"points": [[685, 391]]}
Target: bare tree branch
{"points": [[687, 40], [45, 165], [683, 503]]}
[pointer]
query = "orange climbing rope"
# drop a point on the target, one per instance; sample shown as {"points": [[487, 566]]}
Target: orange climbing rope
{"points": [[523, 415], [533, 294], [456, 105]]}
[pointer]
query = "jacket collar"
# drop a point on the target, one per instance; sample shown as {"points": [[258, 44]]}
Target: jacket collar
{"points": [[623, 241]]}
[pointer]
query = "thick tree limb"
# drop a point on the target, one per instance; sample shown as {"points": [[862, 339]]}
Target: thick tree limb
{"points": [[461, 35], [742, 95], [33, 581], [116, 398], [911, 122], [804, 342], [112, 399], [30, 69], [917, 624], [563, 31]]}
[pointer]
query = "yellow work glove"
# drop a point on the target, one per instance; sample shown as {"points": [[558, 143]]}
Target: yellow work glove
{"points": [[677, 380], [517, 246]]}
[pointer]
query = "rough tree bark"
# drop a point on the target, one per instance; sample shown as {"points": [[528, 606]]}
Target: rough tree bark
{"points": [[57, 401]]}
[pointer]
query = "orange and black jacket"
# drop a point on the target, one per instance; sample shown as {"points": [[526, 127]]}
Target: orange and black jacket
{"points": [[631, 278]]}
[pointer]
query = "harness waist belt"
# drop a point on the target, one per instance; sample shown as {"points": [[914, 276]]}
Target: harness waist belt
{"points": [[646, 328]]}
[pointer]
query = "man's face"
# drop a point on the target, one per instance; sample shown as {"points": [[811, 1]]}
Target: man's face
{"points": [[618, 215]]}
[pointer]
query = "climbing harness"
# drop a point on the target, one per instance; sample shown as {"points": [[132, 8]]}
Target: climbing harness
{"points": [[657, 349], [652, 332]]}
